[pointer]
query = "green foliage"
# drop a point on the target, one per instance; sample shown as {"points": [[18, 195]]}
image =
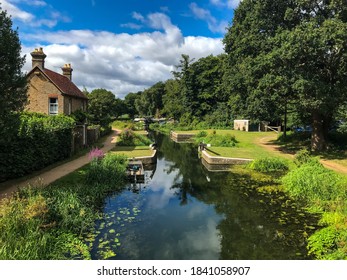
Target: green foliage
{"points": [[150, 101], [13, 83], [36, 141], [109, 170], [129, 138], [201, 134], [312, 182], [28, 230], [302, 157], [323, 243], [52, 222], [216, 140], [325, 192], [269, 164], [102, 106], [79, 116], [296, 63]]}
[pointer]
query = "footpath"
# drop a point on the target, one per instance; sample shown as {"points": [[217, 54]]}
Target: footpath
{"points": [[265, 142], [47, 177]]}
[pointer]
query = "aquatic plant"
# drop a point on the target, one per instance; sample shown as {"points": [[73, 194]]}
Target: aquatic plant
{"points": [[325, 193]]}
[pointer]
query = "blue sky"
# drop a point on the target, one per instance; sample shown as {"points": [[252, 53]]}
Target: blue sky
{"points": [[123, 46]]}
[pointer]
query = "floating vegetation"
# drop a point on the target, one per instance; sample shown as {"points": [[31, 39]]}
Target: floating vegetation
{"points": [[107, 238]]}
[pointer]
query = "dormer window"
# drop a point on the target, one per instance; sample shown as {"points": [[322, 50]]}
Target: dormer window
{"points": [[53, 106]]}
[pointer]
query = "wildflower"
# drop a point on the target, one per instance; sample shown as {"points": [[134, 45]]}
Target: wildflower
{"points": [[96, 153]]}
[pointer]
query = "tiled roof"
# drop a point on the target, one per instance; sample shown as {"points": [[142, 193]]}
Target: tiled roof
{"points": [[64, 84]]}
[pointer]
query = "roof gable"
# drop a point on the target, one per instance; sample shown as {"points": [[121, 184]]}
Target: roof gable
{"points": [[66, 86]]}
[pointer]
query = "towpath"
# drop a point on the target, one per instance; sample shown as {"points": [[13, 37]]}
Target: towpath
{"points": [[266, 143], [55, 173]]}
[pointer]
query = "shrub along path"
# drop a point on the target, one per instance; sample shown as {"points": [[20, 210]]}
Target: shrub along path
{"points": [[50, 176], [266, 143]]}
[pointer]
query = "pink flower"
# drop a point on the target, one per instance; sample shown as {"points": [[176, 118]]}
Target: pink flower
{"points": [[96, 153]]}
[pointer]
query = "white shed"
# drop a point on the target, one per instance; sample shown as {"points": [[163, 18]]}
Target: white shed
{"points": [[241, 125]]}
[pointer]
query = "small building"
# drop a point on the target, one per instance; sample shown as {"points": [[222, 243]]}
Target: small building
{"points": [[50, 92], [241, 125]]}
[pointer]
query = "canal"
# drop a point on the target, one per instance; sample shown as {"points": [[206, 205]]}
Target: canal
{"points": [[184, 212]]}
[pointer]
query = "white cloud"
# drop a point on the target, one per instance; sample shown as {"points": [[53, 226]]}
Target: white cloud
{"points": [[231, 4], [203, 14], [121, 63], [15, 12], [29, 18], [138, 16]]}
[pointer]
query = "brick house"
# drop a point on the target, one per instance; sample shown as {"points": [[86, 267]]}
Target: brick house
{"points": [[50, 92]]}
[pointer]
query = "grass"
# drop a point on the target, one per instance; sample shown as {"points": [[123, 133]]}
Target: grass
{"points": [[247, 144], [132, 151], [52, 222]]}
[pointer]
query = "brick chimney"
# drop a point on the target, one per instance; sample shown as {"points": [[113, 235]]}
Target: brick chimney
{"points": [[67, 71], [38, 58]]}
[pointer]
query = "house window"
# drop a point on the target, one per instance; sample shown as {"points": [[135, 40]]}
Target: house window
{"points": [[53, 106]]}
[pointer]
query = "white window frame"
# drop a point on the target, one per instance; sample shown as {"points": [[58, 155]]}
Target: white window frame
{"points": [[53, 106]]}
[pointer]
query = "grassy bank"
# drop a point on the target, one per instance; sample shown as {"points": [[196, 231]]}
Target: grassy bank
{"points": [[53, 222]]}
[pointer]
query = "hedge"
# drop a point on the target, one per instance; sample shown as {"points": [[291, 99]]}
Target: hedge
{"points": [[33, 142]]}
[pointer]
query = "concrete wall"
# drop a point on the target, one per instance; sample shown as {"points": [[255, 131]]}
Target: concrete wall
{"points": [[223, 160], [181, 137], [148, 160]]}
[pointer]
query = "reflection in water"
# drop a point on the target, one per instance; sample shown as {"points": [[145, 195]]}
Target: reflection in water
{"points": [[187, 212]]}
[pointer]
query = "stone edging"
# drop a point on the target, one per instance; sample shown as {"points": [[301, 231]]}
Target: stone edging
{"points": [[181, 137], [223, 160], [148, 159]]}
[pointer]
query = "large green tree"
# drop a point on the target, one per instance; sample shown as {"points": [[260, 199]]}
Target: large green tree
{"points": [[13, 84], [102, 106], [288, 54], [150, 102], [129, 103]]}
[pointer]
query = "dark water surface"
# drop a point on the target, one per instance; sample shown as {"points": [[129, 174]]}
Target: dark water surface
{"points": [[186, 212]]}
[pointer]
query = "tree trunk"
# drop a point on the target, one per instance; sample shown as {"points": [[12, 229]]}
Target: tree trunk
{"points": [[285, 120], [318, 139]]}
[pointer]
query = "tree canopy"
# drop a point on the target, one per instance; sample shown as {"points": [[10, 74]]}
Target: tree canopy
{"points": [[103, 106], [288, 54], [13, 84]]}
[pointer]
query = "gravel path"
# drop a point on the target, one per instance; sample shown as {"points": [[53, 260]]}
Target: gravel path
{"points": [[52, 175]]}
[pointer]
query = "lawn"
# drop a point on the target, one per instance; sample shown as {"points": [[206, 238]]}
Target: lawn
{"points": [[133, 151], [248, 144]]}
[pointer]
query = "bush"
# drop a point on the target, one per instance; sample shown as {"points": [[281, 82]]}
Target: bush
{"points": [[129, 138], [216, 140], [303, 156], [311, 182], [201, 134], [269, 165], [37, 141], [109, 170]]}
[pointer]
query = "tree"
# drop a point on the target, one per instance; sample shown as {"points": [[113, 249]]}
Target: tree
{"points": [[150, 102], [102, 106], [129, 103], [172, 99], [13, 83], [289, 54]]}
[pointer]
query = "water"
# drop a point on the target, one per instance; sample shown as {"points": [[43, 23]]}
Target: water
{"points": [[186, 212]]}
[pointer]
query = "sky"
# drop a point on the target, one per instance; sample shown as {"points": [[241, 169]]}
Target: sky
{"points": [[123, 46]]}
